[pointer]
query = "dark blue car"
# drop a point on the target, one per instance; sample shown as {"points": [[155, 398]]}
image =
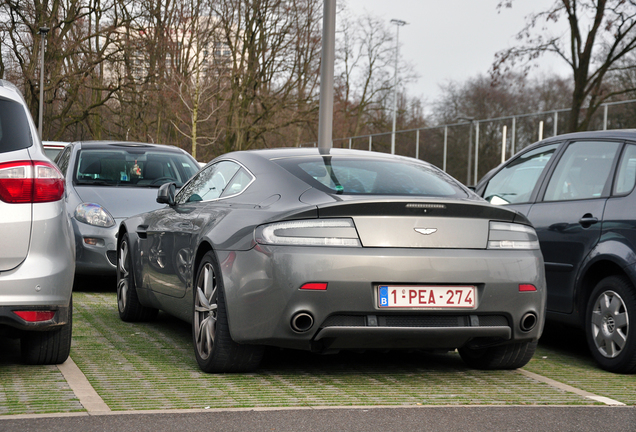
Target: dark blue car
{"points": [[578, 192]]}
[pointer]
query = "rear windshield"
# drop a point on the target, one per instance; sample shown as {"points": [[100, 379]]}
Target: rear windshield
{"points": [[15, 133], [361, 176], [139, 168]]}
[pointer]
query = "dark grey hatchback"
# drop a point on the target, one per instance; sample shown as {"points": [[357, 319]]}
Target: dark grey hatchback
{"points": [[578, 192]]}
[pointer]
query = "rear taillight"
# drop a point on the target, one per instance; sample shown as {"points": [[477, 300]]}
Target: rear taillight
{"points": [[35, 316], [30, 182]]}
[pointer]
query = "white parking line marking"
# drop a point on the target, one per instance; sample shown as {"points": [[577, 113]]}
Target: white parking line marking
{"points": [[569, 388], [88, 397]]}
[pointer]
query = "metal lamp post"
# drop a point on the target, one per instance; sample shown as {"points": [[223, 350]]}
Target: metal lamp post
{"points": [[43, 31], [398, 24], [470, 143], [325, 113]]}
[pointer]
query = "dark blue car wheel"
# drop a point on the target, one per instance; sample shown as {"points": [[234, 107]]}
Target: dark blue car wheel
{"points": [[610, 336]]}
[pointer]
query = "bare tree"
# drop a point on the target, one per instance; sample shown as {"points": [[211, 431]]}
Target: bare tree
{"points": [[76, 49], [364, 69], [601, 34], [193, 75], [264, 69]]}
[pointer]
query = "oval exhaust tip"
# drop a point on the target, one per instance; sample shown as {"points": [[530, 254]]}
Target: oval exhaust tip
{"points": [[302, 322], [528, 321]]}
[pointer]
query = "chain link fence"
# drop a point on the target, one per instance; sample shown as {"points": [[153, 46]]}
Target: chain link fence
{"points": [[470, 148]]}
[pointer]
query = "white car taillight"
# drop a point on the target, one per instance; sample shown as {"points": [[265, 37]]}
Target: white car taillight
{"points": [[310, 232], [504, 235], [30, 182]]}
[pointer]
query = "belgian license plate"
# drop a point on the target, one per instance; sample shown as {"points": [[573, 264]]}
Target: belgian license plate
{"points": [[401, 296]]}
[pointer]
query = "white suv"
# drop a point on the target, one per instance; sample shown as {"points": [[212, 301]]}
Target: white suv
{"points": [[37, 252]]}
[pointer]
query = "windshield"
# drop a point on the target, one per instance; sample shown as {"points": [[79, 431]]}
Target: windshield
{"points": [[105, 167], [372, 176]]}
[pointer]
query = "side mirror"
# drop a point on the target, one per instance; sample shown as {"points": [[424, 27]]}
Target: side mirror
{"points": [[497, 200], [166, 193]]}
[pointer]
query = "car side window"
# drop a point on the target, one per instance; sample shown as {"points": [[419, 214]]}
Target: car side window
{"points": [[238, 183], [209, 183], [582, 172], [516, 181], [626, 175], [63, 159]]}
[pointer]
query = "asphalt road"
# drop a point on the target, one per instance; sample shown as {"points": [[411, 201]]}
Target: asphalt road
{"points": [[348, 419]]}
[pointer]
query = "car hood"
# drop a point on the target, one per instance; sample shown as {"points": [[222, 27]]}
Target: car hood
{"points": [[121, 202]]}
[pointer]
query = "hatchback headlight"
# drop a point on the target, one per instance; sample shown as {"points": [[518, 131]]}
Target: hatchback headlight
{"points": [[505, 235], [311, 232], [94, 214]]}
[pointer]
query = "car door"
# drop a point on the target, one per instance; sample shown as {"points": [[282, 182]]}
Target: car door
{"points": [[168, 247], [172, 232], [568, 214]]}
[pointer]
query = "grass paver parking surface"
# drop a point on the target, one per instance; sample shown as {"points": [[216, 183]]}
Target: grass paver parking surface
{"points": [[147, 366], [32, 389], [563, 356], [152, 366]]}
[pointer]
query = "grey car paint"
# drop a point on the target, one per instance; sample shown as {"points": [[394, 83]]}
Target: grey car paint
{"points": [[37, 253], [261, 281]]}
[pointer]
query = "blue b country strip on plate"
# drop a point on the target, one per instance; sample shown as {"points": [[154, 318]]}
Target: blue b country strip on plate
{"points": [[427, 296]]}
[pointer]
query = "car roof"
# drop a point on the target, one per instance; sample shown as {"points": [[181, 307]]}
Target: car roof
{"points": [[620, 134], [102, 145], [9, 90], [292, 152]]}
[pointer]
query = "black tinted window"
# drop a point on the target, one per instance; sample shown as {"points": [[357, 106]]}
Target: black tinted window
{"points": [[63, 160], [14, 127]]}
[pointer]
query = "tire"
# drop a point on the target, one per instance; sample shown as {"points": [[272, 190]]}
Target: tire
{"points": [[48, 347], [130, 309], [609, 335], [214, 348], [511, 356]]}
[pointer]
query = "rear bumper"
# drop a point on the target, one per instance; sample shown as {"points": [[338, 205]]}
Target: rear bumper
{"points": [[263, 297], [10, 319], [44, 280], [408, 337]]}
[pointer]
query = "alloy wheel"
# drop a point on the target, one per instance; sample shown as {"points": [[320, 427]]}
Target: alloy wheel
{"points": [[123, 265], [205, 311]]}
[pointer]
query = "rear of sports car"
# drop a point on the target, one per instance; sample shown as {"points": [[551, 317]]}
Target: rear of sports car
{"points": [[393, 264]]}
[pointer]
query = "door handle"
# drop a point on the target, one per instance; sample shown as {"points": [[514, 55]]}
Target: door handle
{"points": [[588, 220]]}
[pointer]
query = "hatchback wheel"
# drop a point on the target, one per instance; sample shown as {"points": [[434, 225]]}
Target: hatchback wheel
{"points": [[130, 309], [511, 356], [48, 347], [214, 349], [607, 324]]}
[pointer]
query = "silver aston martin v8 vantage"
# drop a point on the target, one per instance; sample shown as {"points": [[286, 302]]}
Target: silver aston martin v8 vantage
{"points": [[324, 251]]}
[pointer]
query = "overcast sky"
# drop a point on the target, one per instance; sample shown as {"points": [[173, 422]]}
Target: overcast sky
{"points": [[453, 39]]}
